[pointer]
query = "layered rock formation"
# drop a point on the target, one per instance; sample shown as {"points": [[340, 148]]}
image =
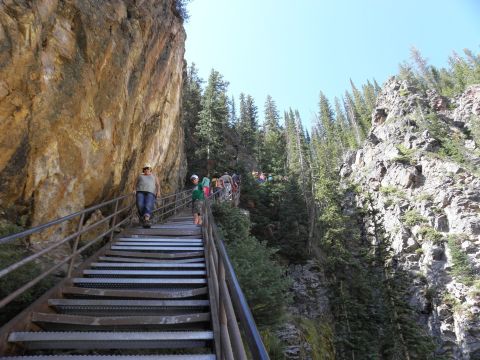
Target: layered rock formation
{"points": [[419, 175], [89, 91]]}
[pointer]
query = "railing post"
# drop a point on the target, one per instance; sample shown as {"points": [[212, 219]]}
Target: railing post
{"points": [[133, 206], [75, 245], [114, 220], [226, 345]]}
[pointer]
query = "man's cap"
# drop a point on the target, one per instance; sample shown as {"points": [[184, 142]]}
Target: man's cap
{"points": [[147, 165], [193, 177]]}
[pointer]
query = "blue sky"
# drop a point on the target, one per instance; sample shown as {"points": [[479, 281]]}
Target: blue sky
{"points": [[292, 50]]}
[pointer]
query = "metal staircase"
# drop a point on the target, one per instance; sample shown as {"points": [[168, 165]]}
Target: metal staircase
{"points": [[157, 293]]}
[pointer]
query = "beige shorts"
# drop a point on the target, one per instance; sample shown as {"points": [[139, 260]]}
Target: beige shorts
{"points": [[197, 207]]}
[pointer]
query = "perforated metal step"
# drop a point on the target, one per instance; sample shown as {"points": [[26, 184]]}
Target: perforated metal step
{"points": [[62, 305], [71, 291], [122, 265], [143, 273], [111, 340], [146, 255], [112, 357], [48, 321], [157, 248], [137, 283], [150, 260]]}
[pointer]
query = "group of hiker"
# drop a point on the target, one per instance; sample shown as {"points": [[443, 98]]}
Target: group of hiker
{"points": [[147, 189], [221, 187]]}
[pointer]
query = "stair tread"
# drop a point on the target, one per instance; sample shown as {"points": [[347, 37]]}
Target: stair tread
{"points": [[157, 239], [157, 248], [155, 256], [136, 294], [145, 265], [131, 320], [137, 303], [146, 272], [112, 357], [138, 281], [18, 336], [158, 243], [156, 261]]}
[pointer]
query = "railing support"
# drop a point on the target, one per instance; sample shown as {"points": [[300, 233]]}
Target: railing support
{"points": [[114, 221], [75, 245]]}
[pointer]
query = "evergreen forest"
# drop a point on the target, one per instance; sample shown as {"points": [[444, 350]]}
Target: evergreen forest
{"points": [[300, 214]]}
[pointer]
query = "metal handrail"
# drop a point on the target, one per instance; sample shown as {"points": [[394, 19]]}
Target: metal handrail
{"points": [[36, 229], [230, 303], [127, 212]]}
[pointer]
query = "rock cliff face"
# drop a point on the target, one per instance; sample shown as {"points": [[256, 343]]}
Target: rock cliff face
{"points": [[89, 91], [419, 173]]}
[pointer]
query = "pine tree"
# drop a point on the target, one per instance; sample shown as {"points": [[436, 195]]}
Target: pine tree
{"points": [[233, 119], [191, 107], [353, 118], [248, 123], [273, 145], [347, 138], [361, 109], [213, 121], [370, 96]]}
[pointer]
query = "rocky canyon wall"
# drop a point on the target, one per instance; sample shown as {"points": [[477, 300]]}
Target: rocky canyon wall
{"points": [[419, 173], [89, 91]]}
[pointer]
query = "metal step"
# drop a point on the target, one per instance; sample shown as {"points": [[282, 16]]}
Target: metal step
{"points": [[120, 265], [137, 283], [159, 232], [155, 256], [157, 248], [156, 261], [153, 239], [151, 243], [175, 225], [59, 322], [142, 273], [70, 305], [134, 294], [112, 357], [111, 340], [158, 243]]}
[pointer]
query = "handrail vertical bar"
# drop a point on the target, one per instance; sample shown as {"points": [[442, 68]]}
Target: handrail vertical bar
{"points": [[75, 245], [226, 345], [239, 303], [234, 331], [212, 278], [114, 221]]}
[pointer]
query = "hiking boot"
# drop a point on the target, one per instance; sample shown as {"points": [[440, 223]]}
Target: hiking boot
{"points": [[146, 222]]}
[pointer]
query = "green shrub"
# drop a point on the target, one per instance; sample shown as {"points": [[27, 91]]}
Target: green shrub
{"points": [[405, 156], [388, 203], [451, 301], [412, 217], [432, 235], [262, 280], [10, 254], [424, 197], [392, 191], [7, 228], [462, 269], [273, 344], [451, 149], [320, 337], [233, 224], [475, 292]]}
